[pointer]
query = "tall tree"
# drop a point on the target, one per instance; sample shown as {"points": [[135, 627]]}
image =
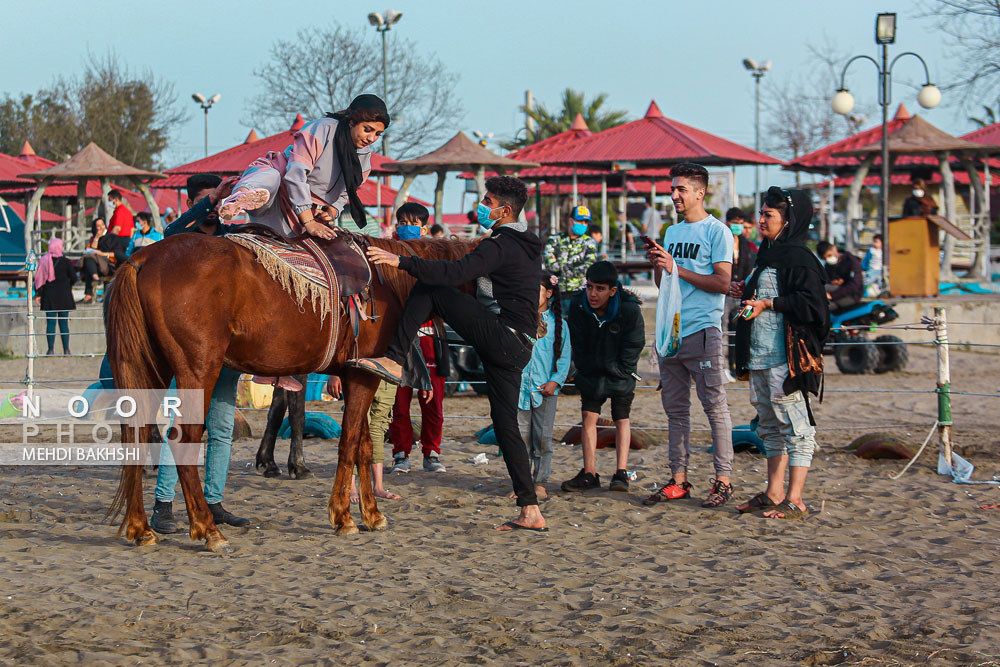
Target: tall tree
{"points": [[974, 29], [322, 70], [550, 123], [127, 114]]}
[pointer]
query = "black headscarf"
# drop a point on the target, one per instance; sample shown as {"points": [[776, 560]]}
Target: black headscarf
{"points": [[347, 152], [789, 249]]}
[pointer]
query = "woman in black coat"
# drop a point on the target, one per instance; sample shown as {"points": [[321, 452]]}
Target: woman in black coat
{"points": [[54, 293]]}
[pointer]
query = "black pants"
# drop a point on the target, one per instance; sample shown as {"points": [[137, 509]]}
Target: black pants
{"points": [[503, 353], [94, 265]]}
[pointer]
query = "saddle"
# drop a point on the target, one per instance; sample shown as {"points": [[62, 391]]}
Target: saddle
{"points": [[330, 273]]}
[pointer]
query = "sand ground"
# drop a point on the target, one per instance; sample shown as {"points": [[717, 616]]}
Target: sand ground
{"points": [[882, 572]]}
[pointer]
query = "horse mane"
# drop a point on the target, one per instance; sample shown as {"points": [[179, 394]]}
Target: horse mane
{"points": [[440, 249]]}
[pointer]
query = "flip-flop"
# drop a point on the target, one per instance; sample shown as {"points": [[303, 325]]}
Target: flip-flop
{"points": [[375, 368], [759, 502], [789, 510], [516, 526]]}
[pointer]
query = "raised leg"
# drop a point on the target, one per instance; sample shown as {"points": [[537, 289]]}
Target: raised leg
{"points": [[297, 468], [359, 389]]}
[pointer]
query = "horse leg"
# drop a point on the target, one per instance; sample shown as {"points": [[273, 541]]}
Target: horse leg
{"points": [[136, 524], [297, 420], [370, 514], [275, 415], [359, 389]]}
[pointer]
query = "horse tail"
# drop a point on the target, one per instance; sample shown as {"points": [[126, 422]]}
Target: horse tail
{"points": [[133, 363]]}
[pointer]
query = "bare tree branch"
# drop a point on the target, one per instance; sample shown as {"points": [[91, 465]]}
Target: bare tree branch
{"points": [[974, 29], [323, 70]]}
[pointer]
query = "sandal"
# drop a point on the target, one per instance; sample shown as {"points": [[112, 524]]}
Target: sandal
{"points": [[759, 502], [242, 200], [788, 510], [375, 368]]}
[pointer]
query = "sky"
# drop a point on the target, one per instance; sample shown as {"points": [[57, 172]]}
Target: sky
{"points": [[685, 55]]}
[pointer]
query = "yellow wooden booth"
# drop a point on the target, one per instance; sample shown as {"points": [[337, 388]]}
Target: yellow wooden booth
{"points": [[915, 254]]}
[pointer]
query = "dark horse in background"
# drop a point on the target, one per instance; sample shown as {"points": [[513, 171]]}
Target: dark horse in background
{"points": [[188, 305], [294, 402]]}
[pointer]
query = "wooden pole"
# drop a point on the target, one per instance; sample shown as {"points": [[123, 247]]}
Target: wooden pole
{"points": [[605, 225], [980, 223], [154, 208], [943, 382], [439, 196], [575, 188], [403, 193], [948, 191], [853, 203], [623, 206]]}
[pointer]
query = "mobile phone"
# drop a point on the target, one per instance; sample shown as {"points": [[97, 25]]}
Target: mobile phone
{"points": [[649, 243], [746, 312]]}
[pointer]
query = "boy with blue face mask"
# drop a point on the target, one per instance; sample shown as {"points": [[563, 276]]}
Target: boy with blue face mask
{"points": [[411, 222], [570, 254]]}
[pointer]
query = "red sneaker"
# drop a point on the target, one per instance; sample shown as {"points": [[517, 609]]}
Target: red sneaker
{"points": [[672, 491]]}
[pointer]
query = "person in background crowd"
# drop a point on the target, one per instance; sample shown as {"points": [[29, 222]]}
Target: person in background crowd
{"points": [[204, 192], [568, 255], [411, 223], [845, 278], [630, 230], [594, 232], [748, 233], [744, 251], [700, 249], [608, 334], [54, 293], [872, 266], [541, 381], [919, 203], [437, 231], [122, 223], [106, 255], [780, 344], [169, 216], [144, 234], [651, 220]]}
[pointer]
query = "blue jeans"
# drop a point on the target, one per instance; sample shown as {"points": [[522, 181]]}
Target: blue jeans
{"points": [[51, 318], [220, 420]]}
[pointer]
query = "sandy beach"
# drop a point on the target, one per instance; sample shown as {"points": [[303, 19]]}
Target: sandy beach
{"points": [[882, 572]]}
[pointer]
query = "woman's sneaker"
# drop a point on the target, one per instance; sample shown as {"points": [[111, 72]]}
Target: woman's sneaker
{"points": [[619, 481], [584, 481], [242, 200], [672, 491]]}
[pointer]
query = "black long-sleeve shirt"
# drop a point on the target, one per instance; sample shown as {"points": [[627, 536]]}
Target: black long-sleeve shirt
{"points": [[509, 258]]}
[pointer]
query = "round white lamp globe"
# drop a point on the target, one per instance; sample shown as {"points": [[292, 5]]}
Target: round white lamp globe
{"points": [[929, 96], [842, 102]]}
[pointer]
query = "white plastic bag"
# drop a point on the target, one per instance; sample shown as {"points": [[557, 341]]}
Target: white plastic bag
{"points": [[668, 315]]}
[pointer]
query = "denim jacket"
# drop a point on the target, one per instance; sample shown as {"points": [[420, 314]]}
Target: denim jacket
{"points": [[539, 368]]}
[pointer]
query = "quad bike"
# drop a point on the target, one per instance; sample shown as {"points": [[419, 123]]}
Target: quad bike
{"points": [[855, 352]]}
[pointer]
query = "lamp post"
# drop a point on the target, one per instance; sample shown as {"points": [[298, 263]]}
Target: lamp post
{"points": [[757, 72], [842, 103], [206, 105], [383, 22]]}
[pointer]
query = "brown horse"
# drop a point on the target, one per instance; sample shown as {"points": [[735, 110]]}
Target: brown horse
{"points": [[188, 305]]}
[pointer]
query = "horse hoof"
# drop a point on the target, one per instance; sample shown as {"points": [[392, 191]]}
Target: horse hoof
{"points": [[272, 471], [380, 523], [305, 473], [219, 545], [147, 539], [349, 529]]}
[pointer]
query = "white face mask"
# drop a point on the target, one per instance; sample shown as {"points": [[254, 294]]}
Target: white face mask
{"points": [[918, 194], [830, 259]]}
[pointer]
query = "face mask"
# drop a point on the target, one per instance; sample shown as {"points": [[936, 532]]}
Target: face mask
{"points": [[408, 232], [736, 229], [831, 260], [579, 228], [483, 215], [918, 194]]}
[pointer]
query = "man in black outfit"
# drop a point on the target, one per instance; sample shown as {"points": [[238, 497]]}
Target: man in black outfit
{"points": [[500, 322]]}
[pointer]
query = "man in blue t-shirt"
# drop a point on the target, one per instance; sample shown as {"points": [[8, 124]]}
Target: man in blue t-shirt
{"points": [[700, 249]]}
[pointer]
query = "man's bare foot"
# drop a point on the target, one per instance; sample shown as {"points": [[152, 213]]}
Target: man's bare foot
{"points": [[540, 493], [530, 518], [387, 494]]}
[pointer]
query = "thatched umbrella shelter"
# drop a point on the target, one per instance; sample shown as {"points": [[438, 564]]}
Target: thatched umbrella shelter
{"points": [[459, 154], [917, 137], [90, 163]]}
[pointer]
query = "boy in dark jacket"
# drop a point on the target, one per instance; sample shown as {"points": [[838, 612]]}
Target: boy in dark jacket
{"points": [[607, 333]]}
